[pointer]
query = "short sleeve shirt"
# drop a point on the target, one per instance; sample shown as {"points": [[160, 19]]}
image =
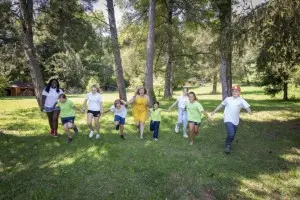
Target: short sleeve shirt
{"points": [[155, 114], [232, 109], [51, 96], [66, 109], [194, 111], [94, 101], [122, 112]]}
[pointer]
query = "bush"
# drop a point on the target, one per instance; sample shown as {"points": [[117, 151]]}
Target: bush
{"points": [[92, 81], [3, 85]]}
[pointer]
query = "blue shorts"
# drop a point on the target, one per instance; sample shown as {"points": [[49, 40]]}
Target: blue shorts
{"points": [[195, 123], [67, 120], [51, 109], [119, 119]]}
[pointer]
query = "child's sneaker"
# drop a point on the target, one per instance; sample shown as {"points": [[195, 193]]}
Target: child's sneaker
{"points": [[91, 134], [69, 140], [117, 127], [97, 136], [227, 149], [191, 143], [176, 128], [155, 139], [185, 135], [51, 132], [122, 136], [75, 130], [141, 137]]}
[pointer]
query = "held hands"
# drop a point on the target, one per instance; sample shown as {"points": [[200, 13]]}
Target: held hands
{"points": [[212, 114]]}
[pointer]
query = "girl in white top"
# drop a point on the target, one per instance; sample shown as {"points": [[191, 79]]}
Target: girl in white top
{"points": [[120, 113], [94, 110], [182, 114], [49, 98], [233, 106]]}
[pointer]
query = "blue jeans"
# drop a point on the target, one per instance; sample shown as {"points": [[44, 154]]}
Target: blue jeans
{"points": [[231, 131], [154, 126]]}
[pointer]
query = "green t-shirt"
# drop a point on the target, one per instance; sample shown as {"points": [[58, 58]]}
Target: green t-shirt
{"points": [[155, 114], [194, 111], [66, 109]]}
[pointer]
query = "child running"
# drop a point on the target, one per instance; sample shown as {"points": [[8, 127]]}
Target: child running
{"points": [[155, 119], [67, 114], [120, 113], [232, 110], [95, 109], [194, 111], [181, 101]]}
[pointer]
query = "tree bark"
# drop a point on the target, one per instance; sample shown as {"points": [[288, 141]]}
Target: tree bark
{"points": [[117, 55], [150, 52], [214, 89], [168, 73], [225, 10], [285, 91], [26, 18]]}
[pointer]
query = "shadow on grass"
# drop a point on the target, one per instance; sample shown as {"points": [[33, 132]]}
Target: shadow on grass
{"points": [[262, 165]]}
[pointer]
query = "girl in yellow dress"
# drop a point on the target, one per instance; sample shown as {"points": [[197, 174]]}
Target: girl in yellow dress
{"points": [[140, 103]]}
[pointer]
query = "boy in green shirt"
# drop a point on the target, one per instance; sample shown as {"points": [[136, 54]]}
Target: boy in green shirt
{"points": [[194, 111], [155, 119], [67, 113]]}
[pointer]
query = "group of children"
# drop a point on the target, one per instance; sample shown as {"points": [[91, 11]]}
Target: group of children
{"points": [[190, 112]]}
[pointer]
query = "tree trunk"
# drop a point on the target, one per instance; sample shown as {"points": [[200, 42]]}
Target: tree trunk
{"points": [[285, 91], [214, 89], [225, 11], [26, 9], [118, 60], [150, 52], [168, 73]]}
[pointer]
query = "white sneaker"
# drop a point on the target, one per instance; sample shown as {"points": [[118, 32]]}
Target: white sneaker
{"points": [[155, 139], [185, 135], [91, 134], [176, 128], [191, 143], [97, 136], [141, 137]]}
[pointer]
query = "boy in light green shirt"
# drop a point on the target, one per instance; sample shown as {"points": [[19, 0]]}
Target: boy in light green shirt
{"points": [[155, 119]]}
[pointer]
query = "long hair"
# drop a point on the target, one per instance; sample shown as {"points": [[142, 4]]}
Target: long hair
{"points": [[95, 86], [49, 85], [118, 101]]}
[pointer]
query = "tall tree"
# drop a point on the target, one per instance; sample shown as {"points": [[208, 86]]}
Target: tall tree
{"points": [[225, 10], [118, 60], [150, 52], [168, 73], [26, 18]]}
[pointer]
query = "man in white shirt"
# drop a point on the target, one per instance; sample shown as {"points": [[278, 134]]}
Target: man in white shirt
{"points": [[233, 106]]}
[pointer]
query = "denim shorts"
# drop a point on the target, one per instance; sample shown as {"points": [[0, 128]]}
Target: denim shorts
{"points": [[119, 119], [51, 109], [65, 120]]}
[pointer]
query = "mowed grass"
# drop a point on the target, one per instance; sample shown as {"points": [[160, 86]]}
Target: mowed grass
{"points": [[264, 163]]}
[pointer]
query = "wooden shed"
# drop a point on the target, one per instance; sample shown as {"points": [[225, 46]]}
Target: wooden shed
{"points": [[21, 89]]}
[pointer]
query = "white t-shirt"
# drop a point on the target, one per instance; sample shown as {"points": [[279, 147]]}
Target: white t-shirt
{"points": [[182, 101], [94, 101], [232, 109], [51, 96], [121, 112]]}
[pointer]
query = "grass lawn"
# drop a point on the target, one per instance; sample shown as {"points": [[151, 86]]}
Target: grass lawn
{"points": [[264, 163]]}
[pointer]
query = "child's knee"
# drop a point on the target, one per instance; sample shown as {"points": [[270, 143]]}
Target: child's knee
{"points": [[117, 123]]}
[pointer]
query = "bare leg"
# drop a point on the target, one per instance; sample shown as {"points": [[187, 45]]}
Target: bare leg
{"points": [[89, 121], [55, 120], [142, 126], [97, 124], [192, 132], [50, 120]]}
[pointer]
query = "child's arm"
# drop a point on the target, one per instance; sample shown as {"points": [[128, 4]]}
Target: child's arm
{"points": [[84, 106], [173, 105], [124, 102], [102, 109], [249, 110], [206, 115], [217, 108]]}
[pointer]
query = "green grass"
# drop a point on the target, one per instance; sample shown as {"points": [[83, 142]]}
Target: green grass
{"points": [[264, 164]]}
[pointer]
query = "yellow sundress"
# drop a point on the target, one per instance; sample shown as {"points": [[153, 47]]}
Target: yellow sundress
{"points": [[139, 110]]}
